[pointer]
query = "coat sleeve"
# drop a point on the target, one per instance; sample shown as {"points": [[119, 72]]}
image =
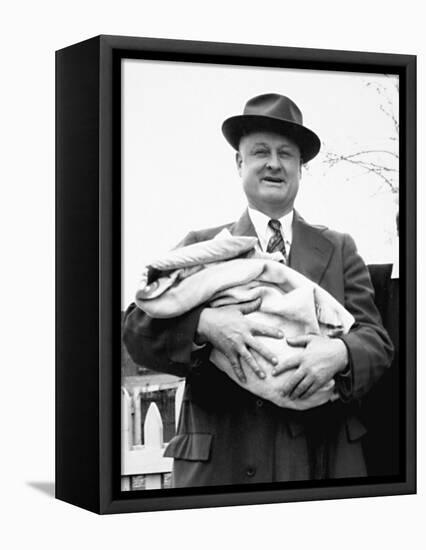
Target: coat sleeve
{"points": [[165, 345], [369, 347]]}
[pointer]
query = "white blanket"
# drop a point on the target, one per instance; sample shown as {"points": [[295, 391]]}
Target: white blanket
{"points": [[228, 270]]}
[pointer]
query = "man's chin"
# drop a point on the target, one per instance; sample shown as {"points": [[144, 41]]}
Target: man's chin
{"points": [[274, 196]]}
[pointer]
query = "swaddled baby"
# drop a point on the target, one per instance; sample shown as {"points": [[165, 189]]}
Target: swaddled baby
{"points": [[229, 271]]}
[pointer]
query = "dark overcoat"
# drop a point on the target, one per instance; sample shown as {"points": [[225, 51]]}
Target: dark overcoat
{"points": [[225, 434]]}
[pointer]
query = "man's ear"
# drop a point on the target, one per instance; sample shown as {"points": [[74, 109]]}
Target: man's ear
{"points": [[238, 161]]}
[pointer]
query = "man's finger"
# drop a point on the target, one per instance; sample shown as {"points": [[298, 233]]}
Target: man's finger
{"points": [[248, 358], [249, 307], [290, 363], [266, 330], [300, 341], [308, 393], [297, 377], [235, 364], [300, 390]]}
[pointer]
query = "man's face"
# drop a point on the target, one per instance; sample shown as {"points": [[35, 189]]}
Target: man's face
{"points": [[270, 167]]}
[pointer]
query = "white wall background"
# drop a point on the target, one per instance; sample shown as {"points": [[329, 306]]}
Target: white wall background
{"points": [[30, 32]]}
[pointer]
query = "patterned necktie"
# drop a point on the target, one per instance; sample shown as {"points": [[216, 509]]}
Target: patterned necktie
{"points": [[276, 242]]}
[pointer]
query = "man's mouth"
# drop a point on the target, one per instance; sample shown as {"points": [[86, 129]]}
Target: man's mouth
{"points": [[273, 179]]}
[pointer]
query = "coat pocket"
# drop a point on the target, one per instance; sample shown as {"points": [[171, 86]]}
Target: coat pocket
{"points": [[191, 446], [355, 429]]}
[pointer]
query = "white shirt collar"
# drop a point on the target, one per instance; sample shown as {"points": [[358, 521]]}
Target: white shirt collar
{"points": [[264, 232]]}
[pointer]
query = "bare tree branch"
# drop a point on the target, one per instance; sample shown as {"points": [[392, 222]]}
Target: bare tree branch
{"points": [[369, 167], [389, 111], [367, 152], [385, 170]]}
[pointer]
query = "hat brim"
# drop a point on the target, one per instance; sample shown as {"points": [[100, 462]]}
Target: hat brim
{"points": [[234, 128]]}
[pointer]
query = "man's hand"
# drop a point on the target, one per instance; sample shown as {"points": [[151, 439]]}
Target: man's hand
{"points": [[316, 364], [229, 331]]}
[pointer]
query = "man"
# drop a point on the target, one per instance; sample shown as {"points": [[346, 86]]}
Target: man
{"points": [[225, 434]]}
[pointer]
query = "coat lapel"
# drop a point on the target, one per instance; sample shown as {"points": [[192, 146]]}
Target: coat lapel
{"points": [[310, 251], [244, 227]]}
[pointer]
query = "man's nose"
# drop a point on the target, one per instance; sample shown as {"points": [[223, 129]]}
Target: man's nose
{"points": [[274, 161]]}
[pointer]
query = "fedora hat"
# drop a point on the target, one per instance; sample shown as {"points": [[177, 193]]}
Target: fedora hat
{"points": [[277, 113]]}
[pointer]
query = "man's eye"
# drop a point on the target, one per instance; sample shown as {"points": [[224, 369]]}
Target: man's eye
{"points": [[260, 152]]}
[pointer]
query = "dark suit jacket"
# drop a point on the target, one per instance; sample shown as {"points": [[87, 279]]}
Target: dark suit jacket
{"points": [[227, 435]]}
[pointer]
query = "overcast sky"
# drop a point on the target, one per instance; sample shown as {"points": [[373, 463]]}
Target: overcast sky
{"points": [[179, 172]]}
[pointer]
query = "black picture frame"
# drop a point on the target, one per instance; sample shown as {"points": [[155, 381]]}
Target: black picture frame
{"points": [[88, 277]]}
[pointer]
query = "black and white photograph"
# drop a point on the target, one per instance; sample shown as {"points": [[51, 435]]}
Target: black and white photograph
{"points": [[259, 276]]}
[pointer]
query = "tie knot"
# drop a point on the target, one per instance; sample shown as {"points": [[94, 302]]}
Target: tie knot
{"points": [[275, 225]]}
